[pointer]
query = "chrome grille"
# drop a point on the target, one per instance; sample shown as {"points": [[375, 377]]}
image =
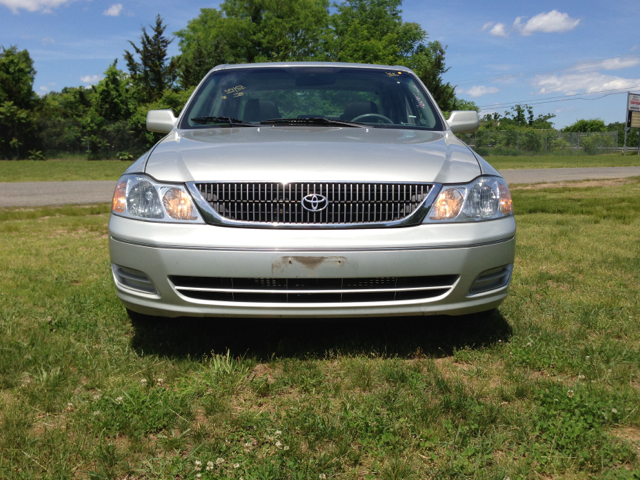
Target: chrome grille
{"points": [[313, 290], [348, 203]]}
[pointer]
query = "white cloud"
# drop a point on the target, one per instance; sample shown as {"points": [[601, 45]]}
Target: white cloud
{"points": [[550, 22], [48, 40], [498, 30], [487, 25], [617, 63], [635, 47], [478, 91], [90, 78], [592, 82], [33, 5], [114, 10]]}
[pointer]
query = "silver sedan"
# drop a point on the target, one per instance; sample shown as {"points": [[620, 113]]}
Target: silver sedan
{"points": [[311, 190]]}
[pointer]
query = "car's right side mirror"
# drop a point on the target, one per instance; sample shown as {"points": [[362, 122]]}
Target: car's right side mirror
{"points": [[160, 121], [464, 121]]}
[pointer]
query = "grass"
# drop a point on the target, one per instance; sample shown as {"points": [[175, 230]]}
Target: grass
{"points": [[548, 387], [60, 170], [63, 170], [560, 161]]}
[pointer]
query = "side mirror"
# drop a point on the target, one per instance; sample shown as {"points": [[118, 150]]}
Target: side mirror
{"points": [[464, 121], [160, 121]]}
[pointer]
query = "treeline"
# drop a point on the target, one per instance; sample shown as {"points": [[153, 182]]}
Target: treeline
{"points": [[107, 120], [521, 118]]}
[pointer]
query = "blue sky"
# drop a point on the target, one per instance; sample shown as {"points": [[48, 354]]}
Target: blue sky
{"points": [[566, 54]]}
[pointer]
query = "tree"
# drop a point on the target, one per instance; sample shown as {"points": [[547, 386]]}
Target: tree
{"points": [[114, 98], [252, 31], [154, 72], [592, 125], [520, 116], [17, 100], [16, 77]]}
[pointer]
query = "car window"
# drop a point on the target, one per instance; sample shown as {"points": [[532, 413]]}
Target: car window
{"points": [[376, 97]]}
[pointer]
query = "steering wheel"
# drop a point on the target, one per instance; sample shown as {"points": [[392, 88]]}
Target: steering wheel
{"points": [[374, 115]]}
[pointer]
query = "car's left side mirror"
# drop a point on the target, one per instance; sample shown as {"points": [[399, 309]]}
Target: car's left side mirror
{"points": [[464, 121], [160, 121]]}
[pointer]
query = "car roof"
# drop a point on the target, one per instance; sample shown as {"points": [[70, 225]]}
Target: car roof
{"points": [[311, 64]]}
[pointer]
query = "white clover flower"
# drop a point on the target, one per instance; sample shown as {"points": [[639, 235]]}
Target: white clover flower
{"points": [[529, 344], [119, 400], [96, 397], [570, 394], [236, 465], [587, 357], [322, 476], [219, 461], [209, 465], [70, 407], [286, 447], [198, 475], [613, 410], [143, 381], [278, 444], [198, 465], [278, 432], [159, 381], [97, 412], [581, 377]]}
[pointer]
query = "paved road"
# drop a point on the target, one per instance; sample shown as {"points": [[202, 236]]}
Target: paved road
{"points": [[32, 194]]}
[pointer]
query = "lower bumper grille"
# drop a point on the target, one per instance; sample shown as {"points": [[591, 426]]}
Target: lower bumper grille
{"points": [[316, 290]]}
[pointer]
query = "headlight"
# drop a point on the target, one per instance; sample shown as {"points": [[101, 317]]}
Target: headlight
{"points": [[486, 198], [138, 196]]}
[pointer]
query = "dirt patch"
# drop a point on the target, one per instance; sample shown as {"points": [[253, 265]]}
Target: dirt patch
{"points": [[612, 182], [262, 370], [631, 434]]}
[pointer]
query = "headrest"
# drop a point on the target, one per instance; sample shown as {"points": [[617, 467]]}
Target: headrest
{"points": [[257, 110]]}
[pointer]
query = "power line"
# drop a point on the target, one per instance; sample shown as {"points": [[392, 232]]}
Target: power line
{"points": [[560, 98]]}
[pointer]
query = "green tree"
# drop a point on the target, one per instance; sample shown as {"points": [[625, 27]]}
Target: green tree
{"points": [[114, 97], [16, 78], [372, 31], [592, 125], [252, 31], [18, 131], [153, 72]]}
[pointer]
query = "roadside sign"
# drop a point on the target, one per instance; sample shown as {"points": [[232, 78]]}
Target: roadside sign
{"points": [[633, 107], [634, 102], [633, 118]]}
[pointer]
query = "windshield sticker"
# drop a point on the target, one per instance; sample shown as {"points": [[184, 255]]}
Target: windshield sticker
{"points": [[420, 102], [235, 91], [394, 74]]}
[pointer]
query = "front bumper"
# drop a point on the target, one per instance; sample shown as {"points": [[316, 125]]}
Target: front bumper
{"points": [[163, 250]]}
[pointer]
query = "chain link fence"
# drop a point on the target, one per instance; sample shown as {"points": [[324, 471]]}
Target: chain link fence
{"points": [[540, 142]]}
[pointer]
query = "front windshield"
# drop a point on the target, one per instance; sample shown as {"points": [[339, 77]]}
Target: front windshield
{"points": [[372, 97]]}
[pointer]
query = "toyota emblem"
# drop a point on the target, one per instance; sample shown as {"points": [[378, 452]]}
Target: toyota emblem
{"points": [[314, 202]]}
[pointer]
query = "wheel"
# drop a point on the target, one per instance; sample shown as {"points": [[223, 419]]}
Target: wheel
{"points": [[375, 115]]}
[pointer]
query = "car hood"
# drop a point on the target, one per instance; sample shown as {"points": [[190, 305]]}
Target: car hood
{"points": [[287, 154]]}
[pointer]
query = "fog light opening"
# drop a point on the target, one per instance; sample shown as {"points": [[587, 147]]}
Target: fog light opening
{"points": [[492, 279], [133, 279]]}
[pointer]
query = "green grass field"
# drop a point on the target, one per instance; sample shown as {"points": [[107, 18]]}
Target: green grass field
{"points": [[570, 161], [63, 170], [548, 387]]}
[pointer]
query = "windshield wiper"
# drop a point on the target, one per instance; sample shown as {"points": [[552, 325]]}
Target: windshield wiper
{"points": [[226, 120], [321, 121]]}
